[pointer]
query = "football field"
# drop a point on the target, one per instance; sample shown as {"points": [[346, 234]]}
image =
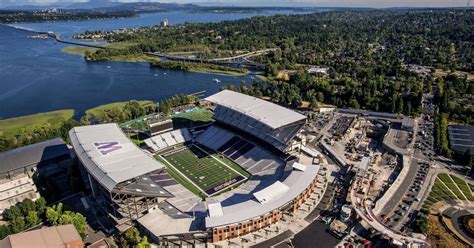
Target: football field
{"points": [[197, 167]]}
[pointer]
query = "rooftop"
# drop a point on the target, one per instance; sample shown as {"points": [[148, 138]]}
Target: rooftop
{"points": [[109, 155], [364, 163], [49, 237], [271, 114], [32, 154], [169, 225]]}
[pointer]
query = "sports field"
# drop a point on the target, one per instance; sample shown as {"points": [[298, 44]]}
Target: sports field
{"points": [[197, 167]]}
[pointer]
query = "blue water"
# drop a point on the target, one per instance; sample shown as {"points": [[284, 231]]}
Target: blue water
{"points": [[35, 76]]}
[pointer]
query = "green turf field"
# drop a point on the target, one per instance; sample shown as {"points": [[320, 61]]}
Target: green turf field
{"points": [[198, 168]]}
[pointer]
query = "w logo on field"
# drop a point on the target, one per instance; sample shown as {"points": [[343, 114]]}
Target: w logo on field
{"points": [[107, 147]]}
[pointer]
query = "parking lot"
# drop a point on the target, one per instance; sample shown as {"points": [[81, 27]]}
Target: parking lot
{"points": [[404, 213]]}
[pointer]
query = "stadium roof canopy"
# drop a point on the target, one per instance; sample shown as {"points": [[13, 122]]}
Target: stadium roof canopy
{"points": [[295, 182], [271, 192], [32, 154], [109, 156], [271, 114], [215, 209], [461, 138]]}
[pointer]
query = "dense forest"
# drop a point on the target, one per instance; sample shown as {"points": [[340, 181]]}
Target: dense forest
{"points": [[367, 53]]}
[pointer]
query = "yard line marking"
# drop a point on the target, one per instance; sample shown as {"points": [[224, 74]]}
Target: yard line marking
{"points": [[220, 161], [189, 180]]}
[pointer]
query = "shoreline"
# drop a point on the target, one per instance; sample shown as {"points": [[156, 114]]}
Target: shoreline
{"points": [[134, 58]]}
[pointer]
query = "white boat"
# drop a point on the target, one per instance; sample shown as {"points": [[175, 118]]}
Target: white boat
{"points": [[216, 80], [108, 67]]}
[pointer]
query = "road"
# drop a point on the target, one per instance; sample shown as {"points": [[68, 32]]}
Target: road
{"points": [[226, 60], [365, 212]]}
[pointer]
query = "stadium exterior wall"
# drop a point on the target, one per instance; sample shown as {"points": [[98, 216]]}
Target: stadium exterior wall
{"points": [[245, 227], [248, 226]]}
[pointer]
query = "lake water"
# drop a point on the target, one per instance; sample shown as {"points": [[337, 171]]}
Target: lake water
{"points": [[35, 76]]}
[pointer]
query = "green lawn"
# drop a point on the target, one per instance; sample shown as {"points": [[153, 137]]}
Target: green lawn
{"points": [[451, 185], [78, 50], [207, 171], [463, 186], [99, 110], [53, 119], [440, 192]]}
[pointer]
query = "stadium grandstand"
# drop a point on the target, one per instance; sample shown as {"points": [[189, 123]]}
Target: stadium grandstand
{"points": [[269, 122], [233, 178], [159, 142], [118, 172]]}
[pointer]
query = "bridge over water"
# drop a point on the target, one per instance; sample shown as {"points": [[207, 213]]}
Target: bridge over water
{"points": [[242, 59]]}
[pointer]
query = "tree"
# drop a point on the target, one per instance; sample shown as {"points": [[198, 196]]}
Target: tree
{"points": [[40, 205], [131, 238], [27, 206], [243, 87], [80, 222], [143, 243], [17, 225], [54, 213], [420, 225], [320, 97], [408, 110], [13, 213], [273, 70], [77, 219], [134, 109], [55, 216], [313, 103], [4, 231], [400, 104], [32, 218]]}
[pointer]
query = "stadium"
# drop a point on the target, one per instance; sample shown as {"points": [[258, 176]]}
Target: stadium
{"points": [[225, 180]]}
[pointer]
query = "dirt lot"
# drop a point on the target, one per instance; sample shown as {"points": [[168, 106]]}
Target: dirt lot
{"points": [[442, 73], [438, 236]]}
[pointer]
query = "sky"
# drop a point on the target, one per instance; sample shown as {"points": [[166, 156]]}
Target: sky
{"points": [[321, 3]]}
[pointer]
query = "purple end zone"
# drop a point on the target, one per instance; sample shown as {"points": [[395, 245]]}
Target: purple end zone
{"points": [[218, 188]]}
